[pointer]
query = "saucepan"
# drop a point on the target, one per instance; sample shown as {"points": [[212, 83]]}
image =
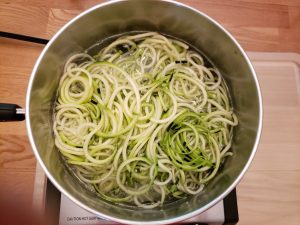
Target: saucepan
{"points": [[111, 19]]}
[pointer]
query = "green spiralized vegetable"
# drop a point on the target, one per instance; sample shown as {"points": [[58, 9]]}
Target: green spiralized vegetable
{"points": [[144, 121]]}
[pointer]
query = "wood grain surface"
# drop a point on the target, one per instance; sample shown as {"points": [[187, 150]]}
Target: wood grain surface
{"points": [[259, 25], [269, 193]]}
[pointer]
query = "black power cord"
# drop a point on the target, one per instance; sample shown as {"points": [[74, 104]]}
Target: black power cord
{"points": [[22, 37]]}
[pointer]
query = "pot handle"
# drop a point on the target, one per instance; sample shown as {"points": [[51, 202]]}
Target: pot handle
{"points": [[11, 112]]}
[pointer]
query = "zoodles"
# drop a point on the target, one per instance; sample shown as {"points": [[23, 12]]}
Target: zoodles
{"points": [[144, 121]]}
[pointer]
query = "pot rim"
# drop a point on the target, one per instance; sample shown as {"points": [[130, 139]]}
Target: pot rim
{"points": [[171, 220]]}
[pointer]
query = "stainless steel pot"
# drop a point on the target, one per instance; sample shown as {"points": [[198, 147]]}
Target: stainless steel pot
{"points": [[171, 18]]}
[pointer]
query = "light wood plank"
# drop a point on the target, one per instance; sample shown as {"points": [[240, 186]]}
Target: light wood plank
{"points": [[16, 154], [269, 197], [268, 25], [58, 18], [257, 38], [17, 59], [28, 20], [246, 14], [17, 187], [17, 162]]}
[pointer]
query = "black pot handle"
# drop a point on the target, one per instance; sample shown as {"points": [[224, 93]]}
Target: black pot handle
{"points": [[11, 112]]}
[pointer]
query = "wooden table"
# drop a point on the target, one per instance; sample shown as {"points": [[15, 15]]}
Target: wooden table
{"points": [[267, 194]]}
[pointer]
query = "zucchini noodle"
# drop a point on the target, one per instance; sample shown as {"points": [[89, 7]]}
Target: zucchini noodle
{"points": [[144, 121]]}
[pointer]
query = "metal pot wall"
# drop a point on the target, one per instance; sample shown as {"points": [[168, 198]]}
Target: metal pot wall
{"points": [[170, 18]]}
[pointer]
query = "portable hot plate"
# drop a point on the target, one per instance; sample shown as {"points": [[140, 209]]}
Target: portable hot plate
{"points": [[47, 199]]}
